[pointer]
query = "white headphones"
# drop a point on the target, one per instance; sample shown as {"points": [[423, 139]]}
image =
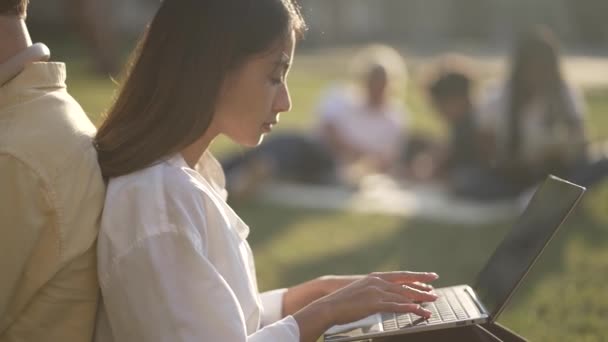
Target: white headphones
{"points": [[36, 53]]}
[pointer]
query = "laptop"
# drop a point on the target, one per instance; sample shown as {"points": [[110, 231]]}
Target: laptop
{"points": [[498, 280]]}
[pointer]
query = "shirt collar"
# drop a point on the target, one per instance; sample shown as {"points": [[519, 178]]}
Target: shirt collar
{"points": [[208, 167], [13, 66], [33, 76], [212, 174]]}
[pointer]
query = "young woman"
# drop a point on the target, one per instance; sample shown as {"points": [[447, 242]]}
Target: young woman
{"points": [[536, 118], [173, 260]]}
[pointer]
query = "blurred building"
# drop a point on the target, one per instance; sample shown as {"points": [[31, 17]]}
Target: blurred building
{"points": [[412, 21], [123, 16], [437, 21]]}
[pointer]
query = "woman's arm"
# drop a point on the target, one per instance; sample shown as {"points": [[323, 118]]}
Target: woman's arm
{"points": [[315, 314]]}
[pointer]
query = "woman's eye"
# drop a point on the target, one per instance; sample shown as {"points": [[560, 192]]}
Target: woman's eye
{"points": [[276, 80]]}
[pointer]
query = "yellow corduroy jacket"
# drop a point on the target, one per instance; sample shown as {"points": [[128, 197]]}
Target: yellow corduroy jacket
{"points": [[51, 198]]}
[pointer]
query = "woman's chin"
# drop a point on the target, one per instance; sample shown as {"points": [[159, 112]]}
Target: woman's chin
{"points": [[253, 141], [259, 140]]}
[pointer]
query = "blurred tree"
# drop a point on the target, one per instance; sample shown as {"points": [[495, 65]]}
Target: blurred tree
{"points": [[91, 17], [419, 22], [589, 17]]}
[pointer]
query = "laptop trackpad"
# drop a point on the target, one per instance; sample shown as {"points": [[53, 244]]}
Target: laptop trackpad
{"points": [[368, 324]]}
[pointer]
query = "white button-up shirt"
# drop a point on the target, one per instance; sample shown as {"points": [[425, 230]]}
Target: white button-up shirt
{"points": [[174, 263]]}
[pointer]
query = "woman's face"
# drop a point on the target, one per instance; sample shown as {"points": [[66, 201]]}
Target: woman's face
{"points": [[536, 75], [377, 82], [253, 95]]}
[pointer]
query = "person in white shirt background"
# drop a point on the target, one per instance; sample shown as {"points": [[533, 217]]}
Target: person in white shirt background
{"points": [[364, 124], [173, 259]]}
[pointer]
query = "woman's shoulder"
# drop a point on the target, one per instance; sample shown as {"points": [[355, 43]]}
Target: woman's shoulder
{"points": [[150, 181], [162, 198], [164, 192], [572, 91]]}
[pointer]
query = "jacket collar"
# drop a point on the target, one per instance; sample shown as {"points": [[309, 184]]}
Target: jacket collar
{"points": [[13, 66]]}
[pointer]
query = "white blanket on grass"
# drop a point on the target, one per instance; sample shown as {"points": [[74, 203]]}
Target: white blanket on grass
{"points": [[380, 195]]}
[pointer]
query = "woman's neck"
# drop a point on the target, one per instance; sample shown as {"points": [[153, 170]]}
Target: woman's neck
{"points": [[14, 37], [193, 153]]}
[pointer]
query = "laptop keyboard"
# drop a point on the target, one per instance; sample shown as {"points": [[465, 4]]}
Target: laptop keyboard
{"points": [[446, 308]]}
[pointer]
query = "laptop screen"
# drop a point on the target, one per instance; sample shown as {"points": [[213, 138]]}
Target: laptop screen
{"points": [[518, 251]]}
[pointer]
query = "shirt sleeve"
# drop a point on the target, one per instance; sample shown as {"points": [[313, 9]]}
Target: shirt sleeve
{"points": [[272, 302], [25, 211]]}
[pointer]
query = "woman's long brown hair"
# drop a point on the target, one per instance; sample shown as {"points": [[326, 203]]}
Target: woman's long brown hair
{"points": [[169, 96]]}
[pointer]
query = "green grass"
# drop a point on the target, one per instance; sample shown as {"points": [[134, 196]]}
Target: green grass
{"points": [[566, 298]]}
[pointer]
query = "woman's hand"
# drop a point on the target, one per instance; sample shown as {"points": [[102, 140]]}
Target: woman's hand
{"points": [[377, 292], [380, 292], [332, 283], [303, 294]]}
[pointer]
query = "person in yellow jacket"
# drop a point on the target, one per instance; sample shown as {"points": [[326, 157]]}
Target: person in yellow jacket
{"points": [[51, 195]]}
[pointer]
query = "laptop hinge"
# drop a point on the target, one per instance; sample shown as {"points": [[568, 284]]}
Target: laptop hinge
{"points": [[480, 306]]}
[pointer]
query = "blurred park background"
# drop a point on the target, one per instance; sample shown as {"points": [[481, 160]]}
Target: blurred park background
{"points": [[566, 297]]}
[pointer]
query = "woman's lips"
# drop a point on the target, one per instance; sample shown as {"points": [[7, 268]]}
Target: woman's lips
{"points": [[267, 126]]}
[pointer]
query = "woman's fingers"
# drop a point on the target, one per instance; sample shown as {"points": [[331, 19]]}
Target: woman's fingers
{"points": [[391, 297], [405, 308], [421, 286], [386, 299], [413, 294], [418, 295], [402, 277]]}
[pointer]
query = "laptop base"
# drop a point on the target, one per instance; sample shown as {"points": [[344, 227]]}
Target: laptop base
{"points": [[489, 332]]}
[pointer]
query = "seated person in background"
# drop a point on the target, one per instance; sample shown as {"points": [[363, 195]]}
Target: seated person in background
{"points": [[463, 162], [360, 131], [364, 128], [450, 93], [536, 119], [536, 123]]}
